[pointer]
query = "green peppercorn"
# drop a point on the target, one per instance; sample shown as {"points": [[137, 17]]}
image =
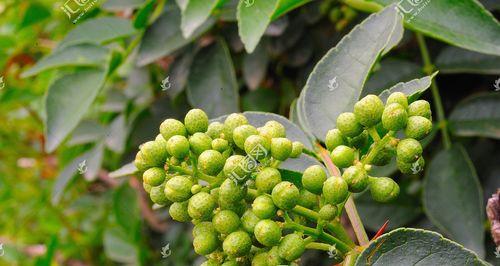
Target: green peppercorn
{"points": [[196, 188], [273, 257], [292, 246], [368, 111], [141, 163], [178, 146], [308, 199], [334, 138], [349, 125], [385, 155], [205, 244], [178, 188], [215, 130], [398, 97], [158, 196], [328, 212], [418, 127], [226, 221], [281, 148], [257, 146], [201, 206], [272, 129], [210, 162], [241, 133], [230, 263], [409, 150], [233, 121], [249, 220], [335, 190], [411, 168], [267, 179], [154, 176], [238, 207], [238, 168], [260, 259], [210, 263], [343, 156], [383, 189], [394, 117], [356, 178], [360, 141], [237, 244], [202, 227], [313, 178], [263, 207], [172, 127], [200, 142], [285, 195], [154, 153], [220, 145], [420, 108], [196, 120], [231, 192], [147, 187], [268, 233], [297, 148], [179, 211]]}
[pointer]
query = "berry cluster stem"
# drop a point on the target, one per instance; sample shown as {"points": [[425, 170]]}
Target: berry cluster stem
{"points": [[379, 144]]}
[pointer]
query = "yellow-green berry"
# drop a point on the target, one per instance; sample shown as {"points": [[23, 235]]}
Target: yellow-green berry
{"points": [[154, 176], [384, 156], [349, 125], [210, 162], [202, 228], [233, 121], [333, 139], [297, 148], [201, 206], [267, 179], [383, 189], [394, 117], [237, 244], [241, 133], [292, 246], [200, 142], [418, 127], [147, 187], [238, 168], [308, 199], [328, 212], [268, 233], [196, 120], [398, 97], [179, 211], [263, 207], [257, 147], [205, 244], [158, 196], [272, 129], [420, 108], [409, 150], [273, 257], [313, 178], [249, 220], [360, 141], [335, 190], [220, 145], [178, 146], [154, 153], [215, 130], [281, 148], [231, 192], [356, 178], [368, 110], [226, 221], [178, 188], [285, 195], [343, 156], [172, 127], [260, 259]]}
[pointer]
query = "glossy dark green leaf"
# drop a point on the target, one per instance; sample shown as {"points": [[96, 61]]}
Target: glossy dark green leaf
{"points": [[264, 100], [456, 60], [336, 82], [390, 72], [453, 198], [142, 16], [126, 208], [477, 116], [98, 31], [67, 101], [408, 246], [438, 19], [413, 89], [126, 170], [196, 13], [164, 36], [212, 81], [78, 55]]}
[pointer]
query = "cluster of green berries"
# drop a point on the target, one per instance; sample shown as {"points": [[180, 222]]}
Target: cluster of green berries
{"points": [[356, 145], [223, 177]]}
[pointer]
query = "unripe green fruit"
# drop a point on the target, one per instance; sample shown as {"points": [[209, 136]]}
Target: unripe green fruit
{"points": [[158, 196], [267, 179], [230, 263], [196, 188], [200, 142], [281, 148], [420, 108], [178, 146], [268, 233], [411, 168], [249, 220], [383, 189], [160, 140], [226, 221], [154, 153], [172, 127], [297, 148], [201, 206], [285, 195], [360, 141], [220, 145], [237, 244], [238, 168], [343, 156], [273, 257], [179, 211], [398, 97], [356, 178], [384, 156], [210, 263], [418, 127], [215, 130], [328, 212], [394, 117], [292, 246], [205, 244], [257, 147], [368, 110], [272, 129], [141, 163], [210, 162], [196, 120], [409, 150], [178, 188], [263, 207], [260, 259], [333, 139], [233, 121], [147, 187], [308, 199], [154, 176], [230, 192], [203, 228], [241, 133], [335, 190], [313, 178], [349, 125], [238, 207]]}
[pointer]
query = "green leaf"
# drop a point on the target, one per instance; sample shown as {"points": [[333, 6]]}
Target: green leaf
{"points": [[477, 116], [67, 101], [456, 60], [117, 5], [164, 36], [142, 16], [255, 66], [336, 82], [118, 246], [265, 100], [98, 31], [390, 72], [78, 55], [34, 14], [126, 208], [212, 81], [291, 169], [413, 89], [253, 19], [195, 14], [408, 246], [118, 133], [126, 170], [87, 131], [94, 162], [458, 211], [438, 19], [179, 72]]}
